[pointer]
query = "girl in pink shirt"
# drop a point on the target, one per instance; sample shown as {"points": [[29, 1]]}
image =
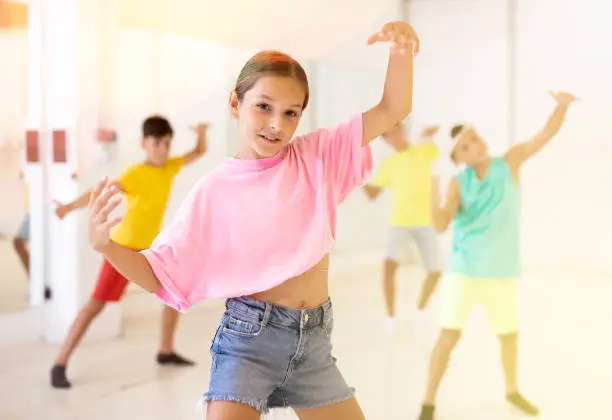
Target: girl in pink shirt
{"points": [[258, 231]]}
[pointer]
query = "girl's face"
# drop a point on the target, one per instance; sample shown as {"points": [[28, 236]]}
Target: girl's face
{"points": [[268, 115]]}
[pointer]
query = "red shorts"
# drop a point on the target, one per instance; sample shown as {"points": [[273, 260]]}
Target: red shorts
{"points": [[111, 284]]}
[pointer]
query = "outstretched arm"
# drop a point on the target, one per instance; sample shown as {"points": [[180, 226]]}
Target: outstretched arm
{"points": [[396, 102], [444, 213], [200, 147], [62, 210], [518, 154], [428, 134]]}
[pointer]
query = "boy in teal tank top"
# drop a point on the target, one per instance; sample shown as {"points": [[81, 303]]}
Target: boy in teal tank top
{"points": [[483, 203]]}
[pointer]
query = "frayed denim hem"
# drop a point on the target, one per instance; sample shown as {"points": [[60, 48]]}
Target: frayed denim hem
{"points": [[260, 406], [332, 401]]}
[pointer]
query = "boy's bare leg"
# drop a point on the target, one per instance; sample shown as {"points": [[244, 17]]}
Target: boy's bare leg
{"points": [[509, 353], [79, 327], [389, 270], [166, 355], [21, 248], [429, 287], [438, 364]]}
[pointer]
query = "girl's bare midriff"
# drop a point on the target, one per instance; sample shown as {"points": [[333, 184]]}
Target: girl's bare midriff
{"points": [[308, 290]]}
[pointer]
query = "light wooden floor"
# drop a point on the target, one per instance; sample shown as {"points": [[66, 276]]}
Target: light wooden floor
{"points": [[565, 363]]}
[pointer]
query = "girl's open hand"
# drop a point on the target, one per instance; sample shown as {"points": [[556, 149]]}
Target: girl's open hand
{"points": [[400, 34]]}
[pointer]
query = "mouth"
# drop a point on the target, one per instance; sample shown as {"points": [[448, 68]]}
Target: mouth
{"points": [[269, 140]]}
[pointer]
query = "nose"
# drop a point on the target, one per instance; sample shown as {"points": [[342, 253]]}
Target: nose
{"points": [[274, 123]]}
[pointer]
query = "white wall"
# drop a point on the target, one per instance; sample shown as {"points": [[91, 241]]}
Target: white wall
{"points": [[346, 82], [461, 72], [461, 75], [565, 44], [182, 79], [340, 94], [13, 109]]}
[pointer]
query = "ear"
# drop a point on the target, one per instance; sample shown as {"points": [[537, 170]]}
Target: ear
{"points": [[233, 103]]}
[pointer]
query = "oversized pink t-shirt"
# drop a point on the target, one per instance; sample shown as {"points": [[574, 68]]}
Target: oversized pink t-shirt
{"points": [[250, 225]]}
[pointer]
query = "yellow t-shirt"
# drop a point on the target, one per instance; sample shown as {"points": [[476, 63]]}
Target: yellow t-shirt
{"points": [[147, 189], [408, 175]]}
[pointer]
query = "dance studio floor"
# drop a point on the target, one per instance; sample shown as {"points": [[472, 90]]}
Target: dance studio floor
{"points": [[565, 363]]}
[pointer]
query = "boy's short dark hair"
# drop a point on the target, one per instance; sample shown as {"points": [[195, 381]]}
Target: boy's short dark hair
{"points": [[456, 130], [156, 127]]}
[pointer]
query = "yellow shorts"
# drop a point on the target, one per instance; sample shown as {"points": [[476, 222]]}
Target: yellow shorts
{"points": [[498, 297]]}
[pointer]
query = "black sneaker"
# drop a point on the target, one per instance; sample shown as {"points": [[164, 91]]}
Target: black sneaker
{"points": [[517, 400], [427, 412], [173, 359], [58, 377]]}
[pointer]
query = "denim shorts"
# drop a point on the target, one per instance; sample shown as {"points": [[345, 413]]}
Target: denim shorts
{"points": [[269, 356], [24, 228]]}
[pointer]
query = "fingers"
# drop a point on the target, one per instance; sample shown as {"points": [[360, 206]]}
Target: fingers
{"points": [[399, 40], [102, 199], [109, 224], [401, 35], [430, 130], [410, 38], [570, 97], [199, 128], [400, 43], [563, 98], [416, 45], [59, 209], [96, 192], [385, 34], [378, 37], [108, 208]]}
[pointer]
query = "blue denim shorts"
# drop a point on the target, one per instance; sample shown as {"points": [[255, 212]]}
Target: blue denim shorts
{"points": [[269, 356], [24, 228]]}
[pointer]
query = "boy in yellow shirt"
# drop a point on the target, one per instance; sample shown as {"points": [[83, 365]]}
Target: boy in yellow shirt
{"points": [[407, 174], [147, 188]]}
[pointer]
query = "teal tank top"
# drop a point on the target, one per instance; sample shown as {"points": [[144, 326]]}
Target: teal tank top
{"points": [[486, 227]]}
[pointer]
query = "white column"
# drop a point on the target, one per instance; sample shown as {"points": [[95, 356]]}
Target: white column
{"points": [[70, 47], [34, 171]]}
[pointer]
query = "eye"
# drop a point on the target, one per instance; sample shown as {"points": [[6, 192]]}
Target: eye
{"points": [[263, 106], [292, 114]]}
